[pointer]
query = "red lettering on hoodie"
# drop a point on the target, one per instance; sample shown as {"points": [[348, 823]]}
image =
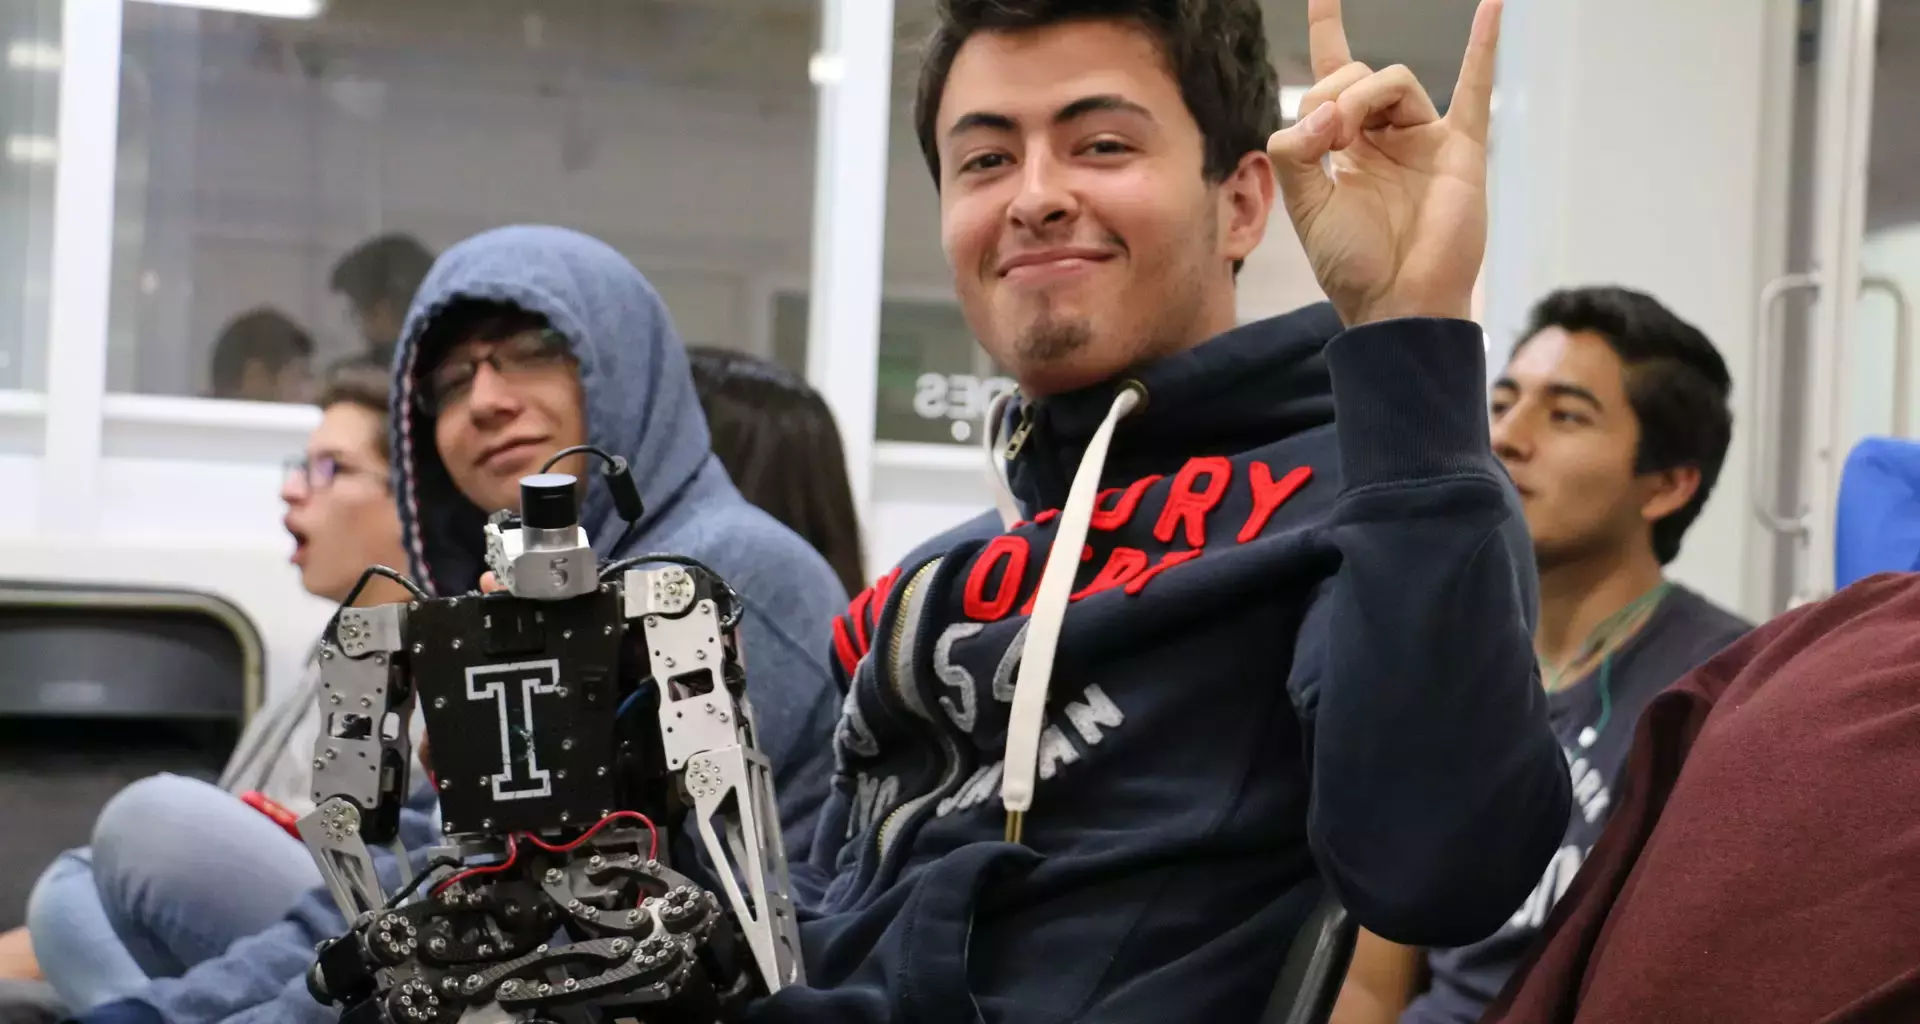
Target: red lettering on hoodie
{"points": [[1167, 561], [1010, 548], [1086, 555], [1197, 489], [1190, 504], [1040, 520], [1122, 511], [1269, 494], [1123, 564], [853, 632]]}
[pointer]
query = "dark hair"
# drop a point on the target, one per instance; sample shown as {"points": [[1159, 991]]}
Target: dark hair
{"points": [[363, 382], [1215, 49], [388, 267], [464, 320], [262, 335], [1676, 383], [780, 444]]}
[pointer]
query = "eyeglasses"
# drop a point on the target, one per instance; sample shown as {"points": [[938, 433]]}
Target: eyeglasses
{"points": [[449, 383], [317, 473]]}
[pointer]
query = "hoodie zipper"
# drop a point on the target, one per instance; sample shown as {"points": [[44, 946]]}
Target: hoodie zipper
{"points": [[900, 671], [1020, 432]]}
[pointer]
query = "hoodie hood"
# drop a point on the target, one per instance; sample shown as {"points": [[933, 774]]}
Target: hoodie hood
{"points": [[640, 399], [1255, 384]]}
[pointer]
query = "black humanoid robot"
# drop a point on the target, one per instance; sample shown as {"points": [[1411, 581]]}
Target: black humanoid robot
{"points": [[576, 716]]}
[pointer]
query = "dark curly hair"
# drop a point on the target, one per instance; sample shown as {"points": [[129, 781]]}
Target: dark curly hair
{"points": [[1215, 49]]}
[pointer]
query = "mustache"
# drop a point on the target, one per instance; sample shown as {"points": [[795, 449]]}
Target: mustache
{"points": [[1031, 240]]}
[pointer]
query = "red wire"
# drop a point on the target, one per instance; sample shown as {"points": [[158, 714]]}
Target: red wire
{"points": [[513, 854], [513, 849], [653, 834]]}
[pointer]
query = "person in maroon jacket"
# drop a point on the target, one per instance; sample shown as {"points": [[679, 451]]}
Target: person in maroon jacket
{"points": [[1760, 866]]}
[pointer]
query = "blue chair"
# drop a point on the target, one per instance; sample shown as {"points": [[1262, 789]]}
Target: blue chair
{"points": [[1877, 521]]}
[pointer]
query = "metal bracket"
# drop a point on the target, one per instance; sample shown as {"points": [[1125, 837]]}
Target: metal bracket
{"points": [[355, 703], [733, 789], [332, 833], [707, 735]]}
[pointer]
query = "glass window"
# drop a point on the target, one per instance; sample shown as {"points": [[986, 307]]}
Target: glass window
{"points": [[29, 115], [934, 383], [283, 182]]}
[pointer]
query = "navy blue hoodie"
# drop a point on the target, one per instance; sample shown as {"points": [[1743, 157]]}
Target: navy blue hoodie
{"points": [[1298, 645]]}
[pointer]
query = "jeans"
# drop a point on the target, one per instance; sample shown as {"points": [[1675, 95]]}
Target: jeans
{"points": [[177, 872]]}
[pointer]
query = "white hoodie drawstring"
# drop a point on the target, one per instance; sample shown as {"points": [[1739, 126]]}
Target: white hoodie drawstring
{"points": [[1028, 714]]}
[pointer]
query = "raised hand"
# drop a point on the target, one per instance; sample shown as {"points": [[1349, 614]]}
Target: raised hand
{"points": [[1394, 221]]}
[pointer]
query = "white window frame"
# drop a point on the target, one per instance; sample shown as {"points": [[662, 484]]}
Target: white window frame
{"points": [[853, 73], [75, 429]]}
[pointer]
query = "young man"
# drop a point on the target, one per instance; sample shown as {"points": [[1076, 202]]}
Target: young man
{"points": [[261, 356], [145, 900], [524, 341], [1280, 641], [1612, 418], [1760, 868], [379, 279]]}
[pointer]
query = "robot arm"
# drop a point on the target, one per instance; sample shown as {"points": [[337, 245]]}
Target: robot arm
{"points": [[707, 733], [575, 715], [360, 760]]}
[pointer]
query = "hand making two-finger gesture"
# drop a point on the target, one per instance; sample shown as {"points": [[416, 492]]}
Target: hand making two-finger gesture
{"points": [[1388, 197]]}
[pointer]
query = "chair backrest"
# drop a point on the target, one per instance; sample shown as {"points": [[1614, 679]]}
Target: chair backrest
{"points": [[99, 687], [1877, 519], [1315, 967]]}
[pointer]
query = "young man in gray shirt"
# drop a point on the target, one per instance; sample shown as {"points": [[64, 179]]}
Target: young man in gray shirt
{"points": [[1611, 416]]}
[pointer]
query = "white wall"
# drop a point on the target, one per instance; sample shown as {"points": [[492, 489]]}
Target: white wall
{"points": [[1643, 142]]}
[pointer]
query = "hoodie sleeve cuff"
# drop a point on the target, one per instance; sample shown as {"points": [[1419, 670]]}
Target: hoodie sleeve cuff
{"points": [[1410, 400]]}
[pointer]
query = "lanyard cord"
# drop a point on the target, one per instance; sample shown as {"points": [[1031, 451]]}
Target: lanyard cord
{"points": [[1605, 638]]}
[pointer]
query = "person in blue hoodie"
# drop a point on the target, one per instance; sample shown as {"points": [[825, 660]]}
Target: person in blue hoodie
{"points": [[523, 341], [1253, 621]]}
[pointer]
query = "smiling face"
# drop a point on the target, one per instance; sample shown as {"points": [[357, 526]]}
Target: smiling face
{"points": [[1084, 237], [503, 407], [1563, 425]]}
